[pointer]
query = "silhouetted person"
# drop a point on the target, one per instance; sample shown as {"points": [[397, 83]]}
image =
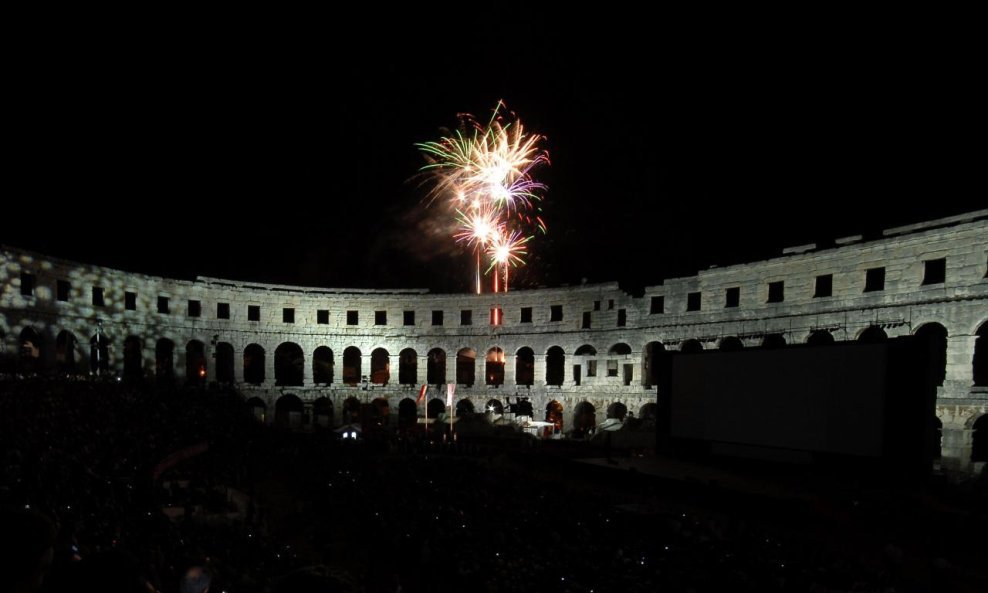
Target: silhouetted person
{"points": [[26, 550]]}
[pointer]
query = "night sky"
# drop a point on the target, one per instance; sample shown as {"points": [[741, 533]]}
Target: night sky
{"points": [[295, 163]]}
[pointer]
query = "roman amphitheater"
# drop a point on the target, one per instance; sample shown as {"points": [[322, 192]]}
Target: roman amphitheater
{"points": [[570, 351]]}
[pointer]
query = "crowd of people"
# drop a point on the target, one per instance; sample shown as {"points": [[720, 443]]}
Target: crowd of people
{"points": [[116, 487]]}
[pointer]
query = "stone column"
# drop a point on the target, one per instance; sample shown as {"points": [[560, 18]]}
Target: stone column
{"points": [[960, 367], [510, 366], [307, 360], [421, 370], [539, 370], [238, 365], [365, 367]]}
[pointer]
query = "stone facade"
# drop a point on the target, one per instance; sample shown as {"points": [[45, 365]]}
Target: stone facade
{"points": [[591, 342]]}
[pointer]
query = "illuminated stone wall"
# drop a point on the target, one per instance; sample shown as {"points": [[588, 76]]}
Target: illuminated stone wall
{"points": [[620, 327]]}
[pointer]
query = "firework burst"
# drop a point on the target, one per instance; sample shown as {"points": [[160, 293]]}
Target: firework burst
{"points": [[483, 173]]}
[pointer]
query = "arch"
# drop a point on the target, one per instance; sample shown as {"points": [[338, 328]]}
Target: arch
{"points": [[464, 407], [408, 367], [555, 366], [525, 366], [254, 364], [408, 412], [494, 406], [772, 341], [436, 367], [820, 337], [979, 362], [99, 353], [322, 412], [31, 345], [351, 365], [288, 410], [435, 407], [654, 352], [133, 355], [289, 364], [351, 408], [466, 366], [934, 338], [195, 362], [585, 350], [322, 366], [382, 410], [224, 363], [979, 439], [494, 372], [731, 344], [584, 417], [523, 407], [257, 408], [619, 349], [872, 335], [164, 360], [691, 347], [554, 414], [380, 366], [68, 355]]}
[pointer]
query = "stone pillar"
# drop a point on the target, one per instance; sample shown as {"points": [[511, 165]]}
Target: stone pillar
{"points": [[959, 372], [539, 370], [421, 370], [269, 380], [238, 365], [955, 448], [307, 360], [211, 362], [178, 356], [510, 366], [365, 367], [480, 371]]}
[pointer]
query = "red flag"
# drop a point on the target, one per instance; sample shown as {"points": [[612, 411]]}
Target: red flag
{"points": [[421, 394]]}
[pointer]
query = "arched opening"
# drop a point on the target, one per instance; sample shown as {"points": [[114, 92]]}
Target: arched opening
{"points": [[322, 366], [382, 411], [555, 366], [289, 364], [322, 412], [30, 350], [772, 341], [820, 337], [584, 418], [164, 361], [691, 347], [254, 364], [554, 414], [435, 407], [873, 335], [195, 362], [436, 367], [615, 365], [351, 407], [380, 366], [494, 406], [654, 352], [133, 355], [67, 356], [466, 366], [979, 439], [288, 410], [584, 363], [620, 349], [408, 367], [525, 366], [934, 338], [224, 363], [257, 408], [464, 407], [351, 366], [494, 374], [407, 412], [980, 360], [731, 344], [617, 410]]}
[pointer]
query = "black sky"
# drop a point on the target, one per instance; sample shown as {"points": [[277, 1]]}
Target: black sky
{"points": [[293, 161]]}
